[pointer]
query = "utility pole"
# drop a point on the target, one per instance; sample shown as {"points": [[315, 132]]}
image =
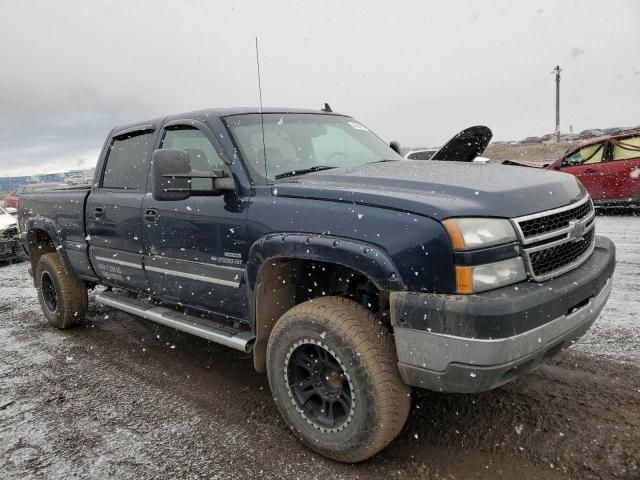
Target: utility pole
{"points": [[557, 71]]}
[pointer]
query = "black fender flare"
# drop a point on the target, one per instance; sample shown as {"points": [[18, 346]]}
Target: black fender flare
{"points": [[367, 259], [48, 226], [371, 261]]}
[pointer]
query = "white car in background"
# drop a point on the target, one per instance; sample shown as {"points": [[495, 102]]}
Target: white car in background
{"points": [[9, 244]]}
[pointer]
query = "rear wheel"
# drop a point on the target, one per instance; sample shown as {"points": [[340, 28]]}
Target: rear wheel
{"points": [[332, 371], [63, 299]]}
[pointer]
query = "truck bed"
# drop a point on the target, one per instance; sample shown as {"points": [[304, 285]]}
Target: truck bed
{"points": [[61, 213]]}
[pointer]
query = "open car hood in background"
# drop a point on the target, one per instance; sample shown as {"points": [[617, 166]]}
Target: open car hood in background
{"points": [[466, 145]]}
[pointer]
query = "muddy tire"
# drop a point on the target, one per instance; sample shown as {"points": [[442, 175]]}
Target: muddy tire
{"points": [[332, 371], [63, 299]]}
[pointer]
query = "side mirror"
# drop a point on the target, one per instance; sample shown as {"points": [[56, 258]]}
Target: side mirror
{"points": [[170, 175], [395, 146], [224, 184], [11, 210]]}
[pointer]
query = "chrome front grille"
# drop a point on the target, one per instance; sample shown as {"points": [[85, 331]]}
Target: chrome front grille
{"points": [[549, 223], [554, 258], [557, 240]]}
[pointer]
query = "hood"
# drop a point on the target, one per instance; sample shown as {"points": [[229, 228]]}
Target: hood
{"points": [[7, 220], [440, 189], [466, 145]]}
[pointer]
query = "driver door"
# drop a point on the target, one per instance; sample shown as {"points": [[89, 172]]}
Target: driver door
{"points": [[195, 251]]}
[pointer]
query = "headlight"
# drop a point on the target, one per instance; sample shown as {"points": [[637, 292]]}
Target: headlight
{"points": [[475, 233], [479, 278], [470, 233]]}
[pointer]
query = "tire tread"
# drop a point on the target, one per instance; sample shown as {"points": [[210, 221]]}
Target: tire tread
{"points": [[376, 348], [72, 294]]}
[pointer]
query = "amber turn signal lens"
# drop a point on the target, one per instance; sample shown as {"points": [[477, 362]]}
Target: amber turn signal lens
{"points": [[457, 242], [464, 279]]}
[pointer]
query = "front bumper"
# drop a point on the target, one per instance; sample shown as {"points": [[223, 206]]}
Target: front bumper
{"points": [[473, 343]]}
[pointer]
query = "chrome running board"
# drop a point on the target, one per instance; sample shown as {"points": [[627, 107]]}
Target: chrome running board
{"points": [[229, 337]]}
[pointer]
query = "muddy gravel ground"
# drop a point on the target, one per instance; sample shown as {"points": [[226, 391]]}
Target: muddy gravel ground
{"points": [[121, 397]]}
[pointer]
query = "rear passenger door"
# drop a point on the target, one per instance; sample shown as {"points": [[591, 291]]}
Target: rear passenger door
{"points": [[195, 248], [113, 210]]}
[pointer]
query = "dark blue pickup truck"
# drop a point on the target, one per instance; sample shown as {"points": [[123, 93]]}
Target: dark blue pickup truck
{"points": [[348, 273]]}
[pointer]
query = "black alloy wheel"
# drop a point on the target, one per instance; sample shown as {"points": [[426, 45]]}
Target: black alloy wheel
{"points": [[49, 293], [319, 385]]}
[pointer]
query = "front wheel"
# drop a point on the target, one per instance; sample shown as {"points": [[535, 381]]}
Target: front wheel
{"points": [[332, 371], [63, 299]]}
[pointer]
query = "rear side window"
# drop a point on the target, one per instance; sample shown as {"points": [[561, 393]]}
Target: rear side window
{"points": [[626, 148], [127, 162]]}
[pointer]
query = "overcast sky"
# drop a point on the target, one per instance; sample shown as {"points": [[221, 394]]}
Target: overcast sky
{"points": [[416, 72]]}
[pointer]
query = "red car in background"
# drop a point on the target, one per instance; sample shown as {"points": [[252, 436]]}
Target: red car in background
{"points": [[608, 166], [11, 200]]}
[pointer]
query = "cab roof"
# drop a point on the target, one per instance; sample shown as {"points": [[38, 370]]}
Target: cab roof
{"points": [[209, 113]]}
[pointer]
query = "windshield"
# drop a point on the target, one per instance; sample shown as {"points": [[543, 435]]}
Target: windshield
{"points": [[295, 144]]}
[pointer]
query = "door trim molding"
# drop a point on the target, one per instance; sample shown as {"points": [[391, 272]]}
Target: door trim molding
{"points": [[203, 272], [119, 262]]}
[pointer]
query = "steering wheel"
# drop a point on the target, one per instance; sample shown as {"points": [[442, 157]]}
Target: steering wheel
{"points": [[337, 158], [273, 155]]}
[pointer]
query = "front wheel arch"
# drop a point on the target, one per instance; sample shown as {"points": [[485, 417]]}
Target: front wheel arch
{"points": [[284, 283]]}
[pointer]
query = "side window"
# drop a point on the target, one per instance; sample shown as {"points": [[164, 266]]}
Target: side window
{"points": [[585, 156], [127, 162], [626, 148], [201, 153]]}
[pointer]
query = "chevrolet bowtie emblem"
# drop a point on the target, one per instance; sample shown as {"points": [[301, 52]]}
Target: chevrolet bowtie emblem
{"points": [[577, 231]]}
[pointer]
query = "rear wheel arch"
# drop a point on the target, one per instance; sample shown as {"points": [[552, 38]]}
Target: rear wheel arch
{"points": [[39, 243], [42, 240]]}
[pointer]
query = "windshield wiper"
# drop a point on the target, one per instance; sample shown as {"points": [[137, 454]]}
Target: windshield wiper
{"points": [[302, 171]]}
